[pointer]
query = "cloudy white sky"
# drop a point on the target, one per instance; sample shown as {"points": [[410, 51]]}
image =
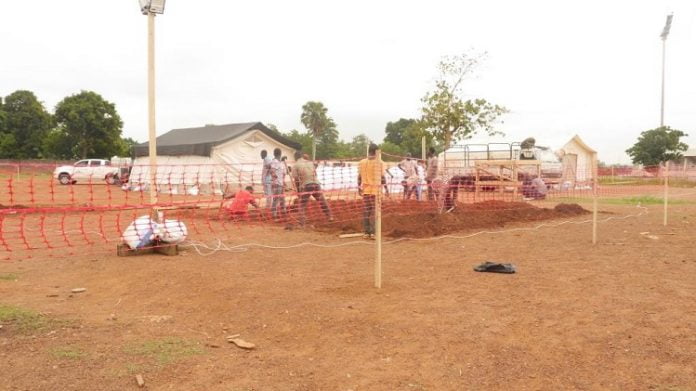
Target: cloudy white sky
{"points": [[561, 67]]}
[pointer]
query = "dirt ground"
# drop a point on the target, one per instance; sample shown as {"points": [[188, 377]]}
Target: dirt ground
{"points": [[415, 219], [620, 315]]}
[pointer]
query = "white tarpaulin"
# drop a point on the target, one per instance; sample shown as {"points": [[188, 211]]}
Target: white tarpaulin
{"points": [[237, 163]]}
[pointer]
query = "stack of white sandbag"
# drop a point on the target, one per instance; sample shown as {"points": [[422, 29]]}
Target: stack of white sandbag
{"points": [[144, 231]]}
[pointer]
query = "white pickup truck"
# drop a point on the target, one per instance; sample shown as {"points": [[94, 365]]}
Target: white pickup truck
{"points": [[87, 171]]}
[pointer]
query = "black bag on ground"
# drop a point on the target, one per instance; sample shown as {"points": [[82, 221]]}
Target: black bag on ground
{"points": [[493, 267]]}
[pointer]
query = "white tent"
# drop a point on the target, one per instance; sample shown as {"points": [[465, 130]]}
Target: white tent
{"points": [[209, 158], [578, 161]]}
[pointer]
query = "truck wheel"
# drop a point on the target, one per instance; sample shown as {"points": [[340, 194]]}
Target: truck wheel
{"points": [[111, 179], [64, 179]]}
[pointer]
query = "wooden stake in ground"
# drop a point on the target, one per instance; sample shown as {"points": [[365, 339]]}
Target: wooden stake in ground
{"points": [[378, 224], [595, 181], [664, 222]]}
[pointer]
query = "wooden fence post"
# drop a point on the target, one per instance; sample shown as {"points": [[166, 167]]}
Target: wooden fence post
{"points": [[378, 224], [664, 222], [595, 182]]}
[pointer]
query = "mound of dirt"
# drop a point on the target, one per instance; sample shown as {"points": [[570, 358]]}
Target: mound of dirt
{"points": [[570, 209], [420, 219]]}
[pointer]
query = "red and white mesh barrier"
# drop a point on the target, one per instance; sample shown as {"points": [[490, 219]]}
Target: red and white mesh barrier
{"points": [[40, 216]]}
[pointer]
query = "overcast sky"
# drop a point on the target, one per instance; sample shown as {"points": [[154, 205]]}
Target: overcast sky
{"points": [[586, 67]]}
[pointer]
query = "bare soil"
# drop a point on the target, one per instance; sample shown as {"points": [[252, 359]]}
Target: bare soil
{"points": [[620, 315], [411, 220]]}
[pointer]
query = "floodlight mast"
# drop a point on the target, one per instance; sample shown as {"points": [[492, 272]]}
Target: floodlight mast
{"points": [[665, 33], [150, 8]]}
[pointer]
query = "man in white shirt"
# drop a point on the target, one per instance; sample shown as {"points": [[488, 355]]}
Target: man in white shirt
{"points": [[408, 166], [278, 171]]}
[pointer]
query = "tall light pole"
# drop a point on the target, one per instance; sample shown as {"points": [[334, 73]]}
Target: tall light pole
{"points": [[665, 33], [150, 8]]}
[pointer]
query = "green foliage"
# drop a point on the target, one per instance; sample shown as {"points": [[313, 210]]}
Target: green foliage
{"points": [[408, 134], [358, 146], [58, 145], [673, 182], [166, 350], [273, 128], [8, 145], [24, 123], [91, 124], [322, 128], [25, 320], [656, 146], [68, 352], [447, 115], [8, 277], [389, 148], [127, 144], [304, 139]]}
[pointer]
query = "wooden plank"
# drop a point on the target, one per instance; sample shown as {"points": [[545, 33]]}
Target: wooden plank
{"points": [[507, 162], [498, 183], [167, 249], [122, 250], [355, 235]]}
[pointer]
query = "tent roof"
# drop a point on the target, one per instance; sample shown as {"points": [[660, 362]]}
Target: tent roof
{"points": [[690, 152], [200, 141], [578, 140]]}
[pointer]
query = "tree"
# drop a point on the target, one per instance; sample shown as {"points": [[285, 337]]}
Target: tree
{"points": [[273, 128], [316, 121], [445, 112], [304, 139], [327, 145], [359, 144], [388, 148], [7, 140], [25, 124], [395, 130], [91, 124], [656, 146], [408, 135], [127, 144], [58, 145]]}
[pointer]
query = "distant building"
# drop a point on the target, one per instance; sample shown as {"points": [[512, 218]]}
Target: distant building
{"points": [[209, 157], [578, 160]]}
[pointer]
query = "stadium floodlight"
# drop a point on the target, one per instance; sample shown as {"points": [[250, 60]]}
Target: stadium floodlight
{"points": [[665, 33], [152, 6], [668, 26]]}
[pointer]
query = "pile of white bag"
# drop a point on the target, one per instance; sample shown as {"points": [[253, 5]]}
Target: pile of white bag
{"points": [[144, 231]]}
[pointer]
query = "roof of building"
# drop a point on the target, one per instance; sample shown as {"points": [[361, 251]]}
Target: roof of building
{"points": [[579, 141], [690, 152], [200, 141]]}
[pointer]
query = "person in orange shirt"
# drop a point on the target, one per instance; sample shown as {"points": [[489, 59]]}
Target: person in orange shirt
{"points": [[238, 206], [370, 179]]}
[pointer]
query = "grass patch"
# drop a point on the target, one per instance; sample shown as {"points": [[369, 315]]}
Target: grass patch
{"points": [[8, 277], [67, 352], [643, 200], [166, 350], [25, 320], [635, 181]]}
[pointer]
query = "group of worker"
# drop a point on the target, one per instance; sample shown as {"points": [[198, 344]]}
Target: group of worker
{"points": [[273, 175], [371, 178]]}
